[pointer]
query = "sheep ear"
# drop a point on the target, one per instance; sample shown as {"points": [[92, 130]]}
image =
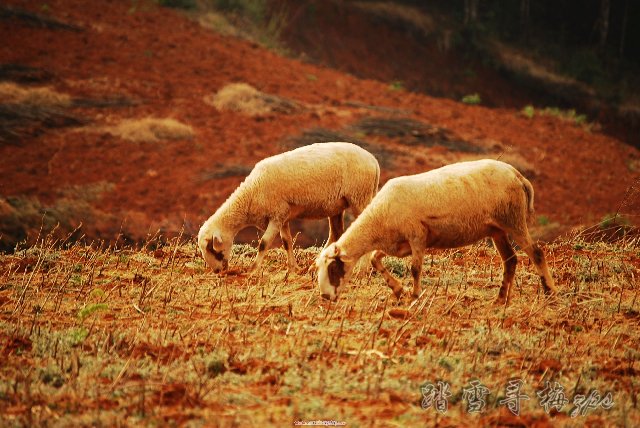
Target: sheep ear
{"points": [[335, 251], [217, 243]]}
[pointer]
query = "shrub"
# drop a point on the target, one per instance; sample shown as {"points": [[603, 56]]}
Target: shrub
{"points": [[472, 99], [151, 129], [528, 111]]}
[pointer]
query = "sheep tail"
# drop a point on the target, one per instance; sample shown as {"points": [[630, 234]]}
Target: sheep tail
{"points": [[528, 191], [377, 180]]}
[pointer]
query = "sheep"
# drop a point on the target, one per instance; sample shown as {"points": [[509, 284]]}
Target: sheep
{"points": [[315, 181], [448, 207]]}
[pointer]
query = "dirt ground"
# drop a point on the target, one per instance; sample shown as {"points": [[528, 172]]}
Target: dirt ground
{"points": [[165, 65]]}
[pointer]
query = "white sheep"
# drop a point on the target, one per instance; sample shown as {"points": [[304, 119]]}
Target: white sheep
{"points": [[449, 207], [315, 181]]}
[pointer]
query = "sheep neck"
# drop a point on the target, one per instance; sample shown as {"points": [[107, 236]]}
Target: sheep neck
{"points": [[358, 240], [235, 213]]}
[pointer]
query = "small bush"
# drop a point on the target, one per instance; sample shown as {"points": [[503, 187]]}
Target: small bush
{"points": [[151, 130], [472, 99], [543, 220], [89, 310], [11, 93], [396, 266], [566, 115], [396, 85], [614, 220], [246, 99], [528, 111]]}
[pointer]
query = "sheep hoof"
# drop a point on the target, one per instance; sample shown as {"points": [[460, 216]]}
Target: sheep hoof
{"points": [[501, 301], [398, 292]]}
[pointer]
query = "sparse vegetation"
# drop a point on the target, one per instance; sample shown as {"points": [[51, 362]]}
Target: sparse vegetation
{"points": [[543, 220], [567, 115], [29, 111], [396, 85], [150, 129], [244, 98], [614, 220], [472, 99], [528, 111], [202, 348], [251, 19], [44, 96]]}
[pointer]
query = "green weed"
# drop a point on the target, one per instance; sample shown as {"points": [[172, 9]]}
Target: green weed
{"points": [[472, 99]]}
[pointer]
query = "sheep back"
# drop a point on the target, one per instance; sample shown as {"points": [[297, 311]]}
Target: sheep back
{"points": [[315, 181], [456, 205]]}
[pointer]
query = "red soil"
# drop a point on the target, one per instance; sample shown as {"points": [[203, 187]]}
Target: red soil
{"points": [[169, 63]]}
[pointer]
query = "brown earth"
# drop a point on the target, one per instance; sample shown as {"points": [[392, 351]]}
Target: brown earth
{"points": [[167, 66]]}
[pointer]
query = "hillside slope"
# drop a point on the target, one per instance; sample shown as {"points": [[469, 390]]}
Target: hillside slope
{"points": [[123, 61]]}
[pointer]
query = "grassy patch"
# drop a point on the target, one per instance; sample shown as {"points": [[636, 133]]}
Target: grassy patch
{"points": [[565, 115], [150, 129], [472, 99], [23, 218], [29, 112], [396, 85], [149, 337], [246, 99]]}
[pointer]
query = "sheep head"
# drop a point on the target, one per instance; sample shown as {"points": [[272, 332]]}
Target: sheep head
{"points": [[333, 271], [215, 249]]}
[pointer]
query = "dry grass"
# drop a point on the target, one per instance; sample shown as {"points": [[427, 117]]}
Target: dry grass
{"points": [[246, 99], [151, 129], [28, 112], [10, 93], [23, 218], [149, 337]]}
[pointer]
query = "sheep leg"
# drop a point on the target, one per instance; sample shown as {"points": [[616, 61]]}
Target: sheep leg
{"points": [[509, 261], [287, 243], [537, 257], [336, 228], [394, 284], [417, 255], [265, 243]]}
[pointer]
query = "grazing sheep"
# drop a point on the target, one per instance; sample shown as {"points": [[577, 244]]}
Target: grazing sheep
{"points": [[315, 181], [449, 207]]}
